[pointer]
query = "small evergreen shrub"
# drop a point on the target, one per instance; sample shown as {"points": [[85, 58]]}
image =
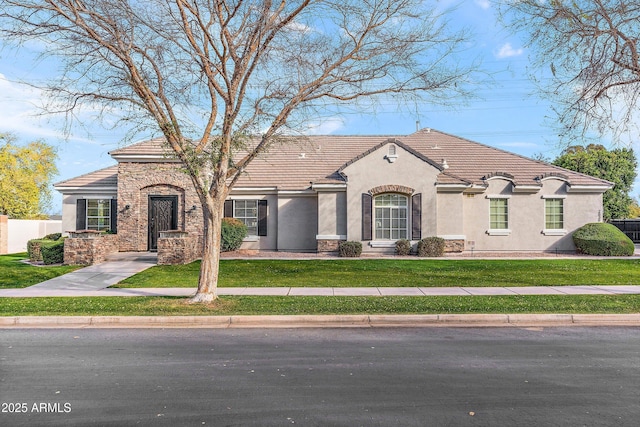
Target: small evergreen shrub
{"points": [[53, 252], [52, 236], [233, 232], [34, 250], [403, 247], [350, 249], [602, 239], [431, 247]]}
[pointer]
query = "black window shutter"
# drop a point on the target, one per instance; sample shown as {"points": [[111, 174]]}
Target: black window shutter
{"points": [[416, 217], [367, 219], [114, 216], [81, 214], [228, 208], [262, 217]]}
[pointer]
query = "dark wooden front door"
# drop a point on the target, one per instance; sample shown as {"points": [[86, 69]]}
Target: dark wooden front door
{"points": [[163, 215]]}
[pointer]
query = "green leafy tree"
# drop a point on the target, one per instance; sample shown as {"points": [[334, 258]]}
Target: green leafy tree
{"points": [[26, 172], [617, 166], [634, 210]]}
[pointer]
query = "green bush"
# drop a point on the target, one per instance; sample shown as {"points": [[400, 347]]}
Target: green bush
{"points": [[233, 232], [403, 247], [431, 247], [33, 250], [52, 236], [602, 239], [350, 249], [53, 252]]}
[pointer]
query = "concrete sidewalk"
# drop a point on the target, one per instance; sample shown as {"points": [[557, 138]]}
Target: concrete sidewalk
{"points": [[74, 290]]}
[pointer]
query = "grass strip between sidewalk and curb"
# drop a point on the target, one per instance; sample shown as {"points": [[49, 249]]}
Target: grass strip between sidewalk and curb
{"points": [[275, 305], [397, 273]]}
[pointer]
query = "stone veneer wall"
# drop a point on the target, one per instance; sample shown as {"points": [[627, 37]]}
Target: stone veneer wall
{"points": [[138, 181], [178, 248], [453, 246], [328, 245], [89, 249]]}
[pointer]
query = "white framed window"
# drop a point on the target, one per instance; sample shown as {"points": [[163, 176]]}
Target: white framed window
{"points": [[247, 212], [391, 217], [553, 214], [98, 214], [498, 216]]}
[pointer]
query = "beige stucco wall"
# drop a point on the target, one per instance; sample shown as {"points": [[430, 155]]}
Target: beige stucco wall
{"points": [[297, 222], [332, 213], [527, 217], [450, 215], [375, 170]]}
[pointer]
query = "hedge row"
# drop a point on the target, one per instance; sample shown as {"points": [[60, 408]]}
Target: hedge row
{"points": [[48, 250]]}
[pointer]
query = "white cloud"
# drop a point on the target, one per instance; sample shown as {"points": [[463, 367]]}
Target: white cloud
{"points": [[21, 113], [484, 4], [507, 51], [325, 127]]}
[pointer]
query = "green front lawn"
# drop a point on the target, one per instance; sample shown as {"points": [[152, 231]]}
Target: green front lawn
{"points": [[16, 274], [270, 305], [397, 272]]}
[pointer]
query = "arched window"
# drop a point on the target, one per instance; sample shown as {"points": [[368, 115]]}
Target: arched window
{"points": [[391, 217]]}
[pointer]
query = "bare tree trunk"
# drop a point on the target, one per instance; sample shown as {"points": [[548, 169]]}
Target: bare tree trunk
{"points": [[210, 265]]}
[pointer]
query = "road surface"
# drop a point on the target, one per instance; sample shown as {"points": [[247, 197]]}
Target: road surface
{"points": [[321, 377]]}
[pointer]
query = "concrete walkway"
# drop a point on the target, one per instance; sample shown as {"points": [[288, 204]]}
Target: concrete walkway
{"points": [[96, 279], [88, 280]]}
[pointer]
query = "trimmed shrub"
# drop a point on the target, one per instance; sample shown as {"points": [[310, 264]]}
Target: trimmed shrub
{"points": [[233, 232], [403, 247], [52, 236], [602, 239], [34, 250], [431, 247], [350, 249], [53, 252]]}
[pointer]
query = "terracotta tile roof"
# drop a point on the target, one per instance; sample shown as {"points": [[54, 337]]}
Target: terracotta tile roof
{"points": [[297, 162], [103, 178]]}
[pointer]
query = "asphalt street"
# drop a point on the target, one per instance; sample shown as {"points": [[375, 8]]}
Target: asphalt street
{"points": [[321, 377]]}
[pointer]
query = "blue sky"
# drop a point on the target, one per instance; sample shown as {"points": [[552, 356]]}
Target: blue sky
{"points": [[507, 115]]}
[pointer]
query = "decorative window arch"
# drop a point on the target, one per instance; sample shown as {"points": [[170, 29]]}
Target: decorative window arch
{"points": [[378, 205]]}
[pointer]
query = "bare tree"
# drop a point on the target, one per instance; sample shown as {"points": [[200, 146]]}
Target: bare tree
{"points": [[590, 48], [210, 74]]}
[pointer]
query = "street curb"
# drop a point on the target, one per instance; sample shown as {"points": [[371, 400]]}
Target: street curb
{"points": [[321, 321]]}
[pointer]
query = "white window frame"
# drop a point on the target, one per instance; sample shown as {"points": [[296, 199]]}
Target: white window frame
{"points": [[378, 223], [250, 221], [554, 231], [106, 219], [499, 231]]}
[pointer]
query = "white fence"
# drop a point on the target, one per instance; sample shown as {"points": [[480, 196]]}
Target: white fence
{"points": [[15, 233]]}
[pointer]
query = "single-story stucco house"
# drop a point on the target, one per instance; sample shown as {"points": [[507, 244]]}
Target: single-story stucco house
{"points": [[313, 192]]}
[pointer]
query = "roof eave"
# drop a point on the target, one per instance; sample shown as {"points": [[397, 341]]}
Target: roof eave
{"points": [[578, 188], [452, 188], [86, 189]]}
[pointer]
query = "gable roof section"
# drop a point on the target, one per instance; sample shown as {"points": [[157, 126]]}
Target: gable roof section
{"points": [[399, 144], [101, 180]]}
